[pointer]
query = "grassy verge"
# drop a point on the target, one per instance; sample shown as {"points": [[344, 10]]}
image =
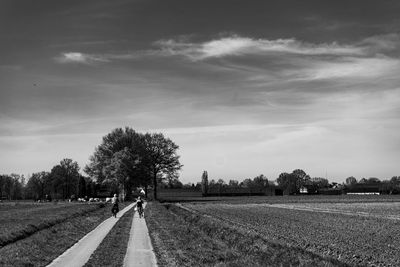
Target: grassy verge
{"points": [[40, 248], [20, 221], [182, 238], [111, 251]]}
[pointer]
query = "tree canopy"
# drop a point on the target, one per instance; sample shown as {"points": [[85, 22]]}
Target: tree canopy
{"points": [[292, 182], [127, 158]]}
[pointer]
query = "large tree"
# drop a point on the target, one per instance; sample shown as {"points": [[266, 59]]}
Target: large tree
{"points": [[115, 160], [120, 168], [128, 158]]}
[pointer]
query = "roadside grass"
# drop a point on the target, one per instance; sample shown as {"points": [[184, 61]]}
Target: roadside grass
{"points": [[111, 251], [43, 246], [182, 238], [19, 221]]}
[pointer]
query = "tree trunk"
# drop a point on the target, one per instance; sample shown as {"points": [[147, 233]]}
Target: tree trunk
{"points": [[155, 186], [128, 191]]}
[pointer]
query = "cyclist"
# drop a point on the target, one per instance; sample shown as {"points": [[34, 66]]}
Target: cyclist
{"points": [[115, 207], [139, 205]]}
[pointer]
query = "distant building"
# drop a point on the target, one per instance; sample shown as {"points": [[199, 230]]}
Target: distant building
{"points": [[303, 190]]}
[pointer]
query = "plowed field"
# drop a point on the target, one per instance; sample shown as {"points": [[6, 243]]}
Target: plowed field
{"points": [[355, 233]]}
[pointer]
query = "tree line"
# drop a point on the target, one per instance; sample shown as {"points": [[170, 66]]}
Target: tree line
{"points": [[290, 183], [125, 159], [296, 182], [62, 182], [389, 186]]}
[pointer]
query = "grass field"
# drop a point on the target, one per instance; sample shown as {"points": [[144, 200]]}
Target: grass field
{"points": [[274, 231], [45, 230], [19, 220]]}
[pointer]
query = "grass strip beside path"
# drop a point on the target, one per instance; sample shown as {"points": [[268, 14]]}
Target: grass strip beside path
{"points": [[40, 248], [112, 249]]}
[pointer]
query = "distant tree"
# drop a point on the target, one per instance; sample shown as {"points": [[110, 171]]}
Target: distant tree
{"points": [[233, 183], [82, 192], [221, 182], [291, 183], [363, 181], [247, 183], [187, 186], [212, 184], [11, 186], [351, 180], [395, 180], [315, 184], [2, 181], [38, 184], [16, 186], [301, 177], [395, 184], [172, 180], [66, 173], [373, 180], [288, 182], [204, 183], [260, 181]]}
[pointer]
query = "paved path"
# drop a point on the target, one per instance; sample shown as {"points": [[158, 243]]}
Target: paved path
{"points": [[139, 251], [79, 254]]}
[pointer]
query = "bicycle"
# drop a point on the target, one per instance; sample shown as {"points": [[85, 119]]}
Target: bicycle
{"points": [[114, 211], [140, 211]]}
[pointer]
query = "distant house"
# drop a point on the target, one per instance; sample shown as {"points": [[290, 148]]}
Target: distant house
{"points": [[303, 190]]}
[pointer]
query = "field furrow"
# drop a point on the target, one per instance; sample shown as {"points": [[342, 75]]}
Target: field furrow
{"points": [[356, 239]]}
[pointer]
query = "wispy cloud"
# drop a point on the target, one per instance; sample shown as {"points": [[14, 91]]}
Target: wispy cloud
{"points": [[237, 45], [291, 59], [77, 57], [347, 67], [288, 59]]}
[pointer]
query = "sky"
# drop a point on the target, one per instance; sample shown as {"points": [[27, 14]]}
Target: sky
{"points": [[243, 87]]}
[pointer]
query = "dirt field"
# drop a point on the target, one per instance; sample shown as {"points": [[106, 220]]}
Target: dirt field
{"points": [[333, 230]]}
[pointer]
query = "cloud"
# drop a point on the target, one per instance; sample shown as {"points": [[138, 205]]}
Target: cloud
{"points": [[349, 67], [264, 61], [77, 57], [291, 60], [382, 43], [236, 46]]}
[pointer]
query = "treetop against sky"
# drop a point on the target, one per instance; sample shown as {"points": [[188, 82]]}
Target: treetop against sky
{"points": [[243, 87]]}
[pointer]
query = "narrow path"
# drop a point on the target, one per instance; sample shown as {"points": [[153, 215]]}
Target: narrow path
{"points": [[79, 254], [140, 251]]}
